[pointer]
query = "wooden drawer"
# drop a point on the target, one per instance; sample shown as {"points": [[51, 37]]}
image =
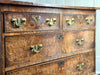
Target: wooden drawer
{"points": [[69, 66], [18, 49], [78, 40], [16, 22], [78, 20]]}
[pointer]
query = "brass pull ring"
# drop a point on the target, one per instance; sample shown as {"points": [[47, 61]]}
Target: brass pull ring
{"points": [[51, 22], [70, 21], [36, 48], [80, 66], [18, 22], [89, 20], [80, 41]]}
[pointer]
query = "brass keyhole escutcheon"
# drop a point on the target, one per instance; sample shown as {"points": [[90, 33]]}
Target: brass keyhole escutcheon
{"points": [[70, 21], [89, 20], [36, 48], [36, 18], [61, 63], [51, 22], [80, 66], [80, 17], [18, 22], [80, 41], [60, 37]]}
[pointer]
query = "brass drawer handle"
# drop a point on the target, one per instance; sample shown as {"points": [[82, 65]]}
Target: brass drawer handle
{"points": [[61, 63], [60, 37], [51, 22], [18, 22], [36, 18], [80, 66], [89, 20], [80, 41], [36, 48], [70, 21]]}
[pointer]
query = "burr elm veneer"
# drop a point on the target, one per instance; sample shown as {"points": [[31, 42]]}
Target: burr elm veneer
{"points": [[46, 39]]}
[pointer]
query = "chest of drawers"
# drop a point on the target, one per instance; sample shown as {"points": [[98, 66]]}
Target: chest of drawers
{"points": [[46, 40]]}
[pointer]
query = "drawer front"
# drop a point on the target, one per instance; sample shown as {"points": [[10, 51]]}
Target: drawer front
{"points": [[16, 22], [78, 40], [78, 65], [78, 21], [21, 49]]}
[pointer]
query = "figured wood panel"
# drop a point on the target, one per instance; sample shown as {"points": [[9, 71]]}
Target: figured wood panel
{"points": [[70, 44], [68, 68], [44, 10], [87, 59], [31, 25], [76, 11], [79, 20], [52, 46], [18, 48]]}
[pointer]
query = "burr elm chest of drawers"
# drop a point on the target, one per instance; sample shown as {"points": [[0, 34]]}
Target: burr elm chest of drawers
{"points": [[46, 40]]}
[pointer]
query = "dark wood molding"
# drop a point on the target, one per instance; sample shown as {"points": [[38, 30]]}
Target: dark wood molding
{"points": [[0, 46], [44, 5]]}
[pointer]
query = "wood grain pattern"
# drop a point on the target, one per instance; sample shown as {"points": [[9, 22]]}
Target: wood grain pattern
{"points": [[69, 67], [17, 59], [10, 8], [79, 21], [51, 46], [2, 46], [69, 41], [18, 48], [44, 10], [84, 12], [30, 23], [47, 60]]}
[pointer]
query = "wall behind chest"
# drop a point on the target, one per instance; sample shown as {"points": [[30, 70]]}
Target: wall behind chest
{"points": [[90, 3]]}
